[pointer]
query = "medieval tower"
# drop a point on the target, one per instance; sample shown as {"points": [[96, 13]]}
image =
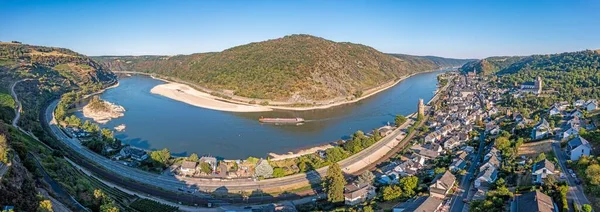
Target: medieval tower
{"points": [[421, 108]]}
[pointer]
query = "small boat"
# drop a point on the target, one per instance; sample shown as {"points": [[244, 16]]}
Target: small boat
{"points": [[281, 120]]}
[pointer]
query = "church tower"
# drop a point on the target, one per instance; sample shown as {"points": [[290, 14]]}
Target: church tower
{"points": [[421, 108], [538, 84]]}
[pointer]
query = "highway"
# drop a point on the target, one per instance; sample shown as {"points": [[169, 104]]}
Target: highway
{"points": [[174, 183]]}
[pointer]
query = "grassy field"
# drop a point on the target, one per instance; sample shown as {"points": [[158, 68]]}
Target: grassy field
{"points": [[532, 149]]}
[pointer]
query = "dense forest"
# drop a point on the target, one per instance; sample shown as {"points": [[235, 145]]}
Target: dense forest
{"points": [[566, 76], [296, 68]]}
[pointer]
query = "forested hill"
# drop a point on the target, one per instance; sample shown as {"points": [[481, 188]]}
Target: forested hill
{"points": [[490, 65], [51, 71], [63, 66], [436, 61], [570, 75], [296, 68]]}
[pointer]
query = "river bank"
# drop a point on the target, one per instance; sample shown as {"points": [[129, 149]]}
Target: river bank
{"points": [[187, 94]]}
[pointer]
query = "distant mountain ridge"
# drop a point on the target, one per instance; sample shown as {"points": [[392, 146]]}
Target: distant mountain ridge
{"points": [[295, 68]]}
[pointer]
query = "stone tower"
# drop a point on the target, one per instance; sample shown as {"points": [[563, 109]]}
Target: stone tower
{"points": [[421, 108]]}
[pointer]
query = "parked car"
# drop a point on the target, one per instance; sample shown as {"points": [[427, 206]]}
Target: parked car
{"points": [[573, 175], [570, 171]]}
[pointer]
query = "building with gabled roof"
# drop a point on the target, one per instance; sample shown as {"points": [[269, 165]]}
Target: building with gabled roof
{"points": [[442, 185], [533, 201]]}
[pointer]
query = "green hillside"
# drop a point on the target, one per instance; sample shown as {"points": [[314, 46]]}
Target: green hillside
{"points": [[296, 68], [566, 76], [52, 71]]}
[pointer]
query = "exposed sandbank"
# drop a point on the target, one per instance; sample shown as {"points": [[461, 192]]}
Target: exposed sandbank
{"points": [[104, 116], [189, 95]]}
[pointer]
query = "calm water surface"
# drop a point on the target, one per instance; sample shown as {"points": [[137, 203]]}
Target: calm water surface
{"points": [[156, 122]]}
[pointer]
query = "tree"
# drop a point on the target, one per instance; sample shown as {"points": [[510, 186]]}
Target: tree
{"points": [[107, 134], [161, 156], [439, 170], [367, 209], [3, 149], [540, 157], [366, 178], [593, 174], [109, 207], [399, 120], [586, 208], [336, 154], [391, 192], [263, 169], [278, 172], [205, 168], [409, 184], [193, 158], [334, 184], [45, 206]]}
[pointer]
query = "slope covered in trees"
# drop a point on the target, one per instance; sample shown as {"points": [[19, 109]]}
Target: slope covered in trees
{"points": [[53, 71], [296, 68], [567, 76]]}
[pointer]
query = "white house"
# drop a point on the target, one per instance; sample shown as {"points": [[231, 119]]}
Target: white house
{"points": [[542, 170], [554, 111], [541, 130], [591, 105], [188, 167], [578, 147], [571, 131], [576, 113], [442, 185], [486, 177], [358, 193]]}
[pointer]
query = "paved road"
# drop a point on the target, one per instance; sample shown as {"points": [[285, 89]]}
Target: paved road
{"points": [[457, 201], [575, 191], [175, 183]]}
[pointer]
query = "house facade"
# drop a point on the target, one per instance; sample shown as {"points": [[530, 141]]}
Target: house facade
{"points": [[578, 147]]}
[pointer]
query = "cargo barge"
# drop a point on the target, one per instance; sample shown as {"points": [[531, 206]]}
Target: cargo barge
{"points": [[281, 120]]}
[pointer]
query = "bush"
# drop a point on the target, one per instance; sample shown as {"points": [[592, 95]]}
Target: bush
{"points": [[151, 206]]}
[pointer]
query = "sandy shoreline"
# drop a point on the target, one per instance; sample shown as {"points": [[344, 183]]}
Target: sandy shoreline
{"points": [[189, 95], [307, 151]]}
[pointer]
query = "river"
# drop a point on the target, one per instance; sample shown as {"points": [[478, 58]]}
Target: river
{"points": [[155, 122]]}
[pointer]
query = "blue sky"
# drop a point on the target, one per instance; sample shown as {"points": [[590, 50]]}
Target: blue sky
{"points": [[461, 29]]}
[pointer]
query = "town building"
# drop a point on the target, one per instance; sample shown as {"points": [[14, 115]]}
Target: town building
{"points": [[188, 168], [533, 201], [578, 147], [134, 153], [541, 130], [486, 177], [422, 203], [442, 185], [358, 193], [542, 170], [533, 87]]}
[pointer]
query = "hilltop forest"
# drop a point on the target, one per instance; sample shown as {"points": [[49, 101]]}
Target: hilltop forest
{"points": [[566, 76], [296, 68]]}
